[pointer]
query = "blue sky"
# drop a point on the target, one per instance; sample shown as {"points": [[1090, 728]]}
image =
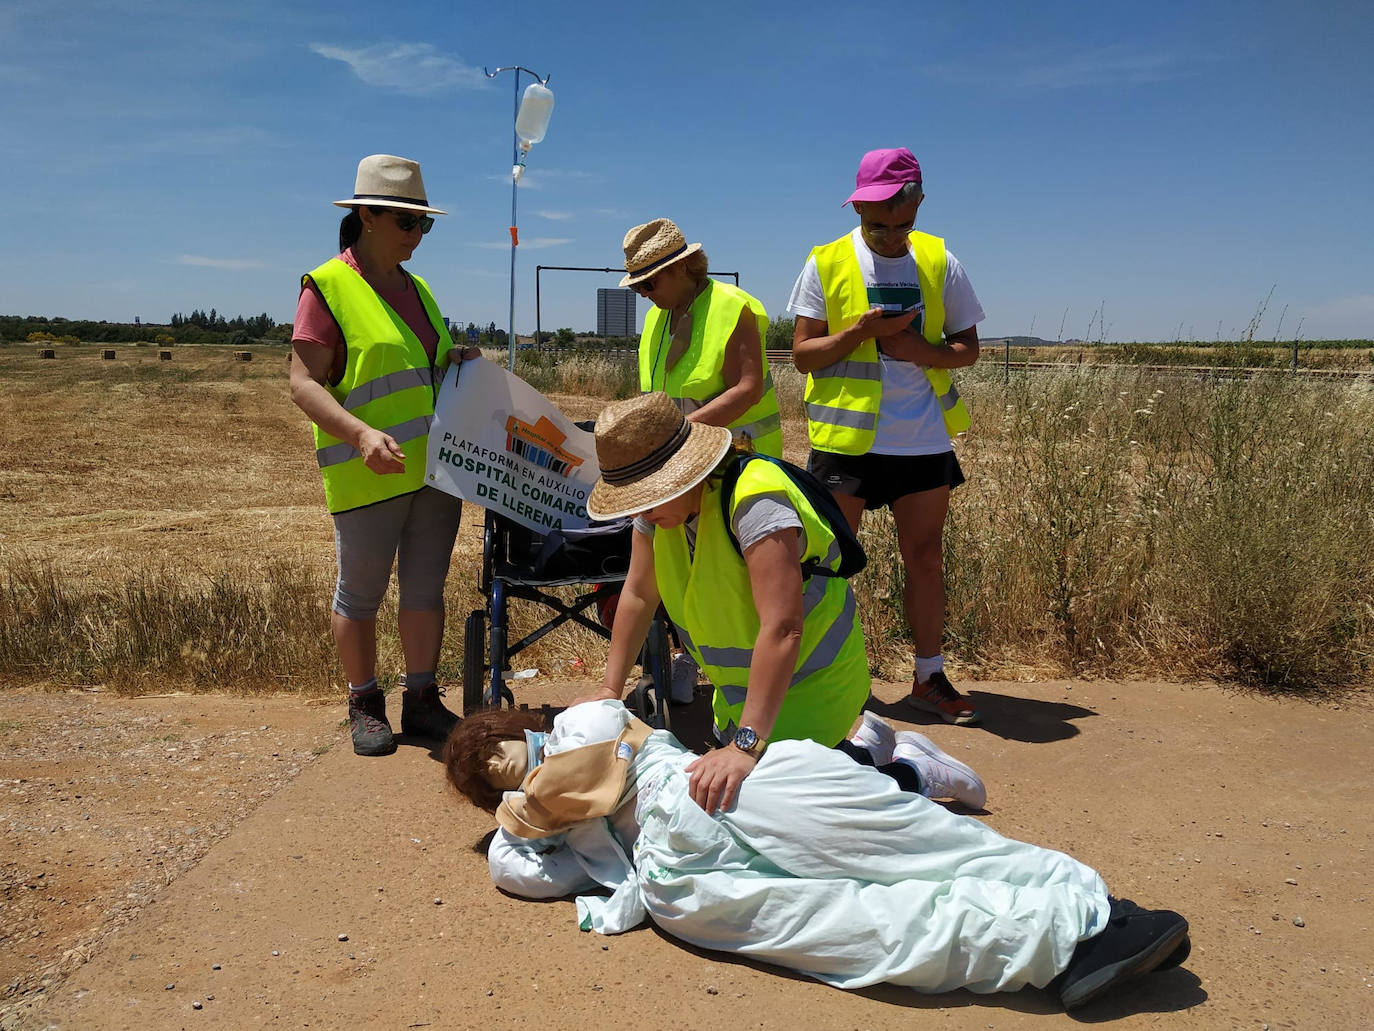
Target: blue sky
{"points": [[1166, 163]]}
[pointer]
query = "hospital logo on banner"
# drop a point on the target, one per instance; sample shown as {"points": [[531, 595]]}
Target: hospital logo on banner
{"points": [[540, 444]]}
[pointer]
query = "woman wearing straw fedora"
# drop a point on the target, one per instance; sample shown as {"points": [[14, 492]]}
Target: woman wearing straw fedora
{"points": [[702, 345], [783, 649], [369, 350]]}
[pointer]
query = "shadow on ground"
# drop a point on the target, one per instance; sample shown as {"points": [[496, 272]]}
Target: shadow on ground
{"points": [[1169, 991], [1008, 716]]}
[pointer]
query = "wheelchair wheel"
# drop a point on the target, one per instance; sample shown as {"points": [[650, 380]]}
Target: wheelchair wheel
{"points": [[474, 651], [642, 701]]}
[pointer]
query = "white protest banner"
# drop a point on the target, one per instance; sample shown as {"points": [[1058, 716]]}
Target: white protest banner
{"points": [[499, 443]]}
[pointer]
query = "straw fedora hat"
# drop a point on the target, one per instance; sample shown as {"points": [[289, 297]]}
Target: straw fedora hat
{"points": [[649, 454], [653, 246], [386, 181]]}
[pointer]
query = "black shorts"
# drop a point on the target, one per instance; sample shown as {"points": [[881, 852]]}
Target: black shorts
{"points": [[882, 479]]}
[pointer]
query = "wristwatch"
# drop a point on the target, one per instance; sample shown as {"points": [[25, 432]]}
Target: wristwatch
{"points": [[748, 740]]}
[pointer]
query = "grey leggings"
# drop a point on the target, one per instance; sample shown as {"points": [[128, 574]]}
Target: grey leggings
{"points": [[416, 531]]}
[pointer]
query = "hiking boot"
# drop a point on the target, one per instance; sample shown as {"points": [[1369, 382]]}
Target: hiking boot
{"points": [[686, 672], [1134, 942], [423, 715], [942, 775], [368, 725], [875, 737], [937, 695]]}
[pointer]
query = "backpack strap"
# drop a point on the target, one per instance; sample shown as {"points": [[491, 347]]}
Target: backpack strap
{"points": [[852, 557]]}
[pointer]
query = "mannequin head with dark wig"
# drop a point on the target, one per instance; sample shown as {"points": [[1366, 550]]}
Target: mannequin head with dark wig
{"points": [[485, 755]]}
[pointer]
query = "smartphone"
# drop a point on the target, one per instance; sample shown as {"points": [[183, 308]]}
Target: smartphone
{"points": [[901, 312]]}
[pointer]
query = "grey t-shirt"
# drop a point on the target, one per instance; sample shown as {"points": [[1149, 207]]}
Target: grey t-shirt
{"points": [[754, 520]]}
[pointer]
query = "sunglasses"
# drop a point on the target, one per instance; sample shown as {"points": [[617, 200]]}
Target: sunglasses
{"points": [[644, 286], [883, 229], [407, 222]]}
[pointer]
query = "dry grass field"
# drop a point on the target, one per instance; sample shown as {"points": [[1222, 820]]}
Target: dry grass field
{"points": [[165, 520]]}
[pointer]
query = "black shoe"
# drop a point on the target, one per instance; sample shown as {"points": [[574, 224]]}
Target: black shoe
{"points": [[1176, 958], [1134, 942], [368, 725], [423, 715]]}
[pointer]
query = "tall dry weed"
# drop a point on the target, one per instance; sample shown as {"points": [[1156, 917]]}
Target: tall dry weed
{"points": [[239, 624], [1113, 522]]}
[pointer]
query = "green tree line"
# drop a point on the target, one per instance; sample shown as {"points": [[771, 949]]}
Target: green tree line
{"points": [[197, 328]]}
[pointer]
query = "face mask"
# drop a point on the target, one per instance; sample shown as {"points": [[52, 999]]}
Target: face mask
{"points": [[534, 748]]}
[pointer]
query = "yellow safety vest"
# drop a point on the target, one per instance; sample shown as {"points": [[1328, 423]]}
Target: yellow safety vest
{"points": [[710, 599], [389, 383], [842, 399], [698, 374]]}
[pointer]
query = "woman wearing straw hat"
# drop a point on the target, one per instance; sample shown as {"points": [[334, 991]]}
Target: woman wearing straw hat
{"points": [[784, 650], [369, 350], [702, 343]]}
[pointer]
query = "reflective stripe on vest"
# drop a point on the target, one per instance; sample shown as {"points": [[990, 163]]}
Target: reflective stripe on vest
{"points": [[843, 399], [698, 375], [388, 382], [404, 433], [710, 599]]}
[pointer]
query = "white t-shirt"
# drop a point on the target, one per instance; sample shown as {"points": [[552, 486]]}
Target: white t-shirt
{"points": [[909, 418]]}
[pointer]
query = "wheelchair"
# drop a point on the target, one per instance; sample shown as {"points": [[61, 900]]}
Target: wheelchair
{"points": [[519, 563]]}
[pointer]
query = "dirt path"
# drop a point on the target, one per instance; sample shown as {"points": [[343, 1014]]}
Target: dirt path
{"points": [[218, 837]]}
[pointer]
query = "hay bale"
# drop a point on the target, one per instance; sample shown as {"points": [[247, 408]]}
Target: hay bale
{"points": [[243, 356], [108, 354], [165, 354], [47, 352]]}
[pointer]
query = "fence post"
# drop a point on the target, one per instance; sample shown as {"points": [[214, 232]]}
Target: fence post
{"points": [[1295, 356], [1006, 361]]}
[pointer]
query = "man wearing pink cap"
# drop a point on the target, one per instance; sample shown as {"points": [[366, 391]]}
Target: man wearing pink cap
{"points": [[882, 315]]}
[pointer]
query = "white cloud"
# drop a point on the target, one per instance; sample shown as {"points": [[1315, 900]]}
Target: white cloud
{"points": [[535, 243], [220, 263], [1114, 65], [555, 216], [533, 179], [408, 67]]}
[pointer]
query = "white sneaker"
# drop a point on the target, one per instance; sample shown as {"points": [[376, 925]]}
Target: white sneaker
{"points": [[942, 775], [685, 675], [877, 736]]}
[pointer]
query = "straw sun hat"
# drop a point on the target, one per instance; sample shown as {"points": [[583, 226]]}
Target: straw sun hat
{"points": [[651, 247], [649, 454], [386, 181]]}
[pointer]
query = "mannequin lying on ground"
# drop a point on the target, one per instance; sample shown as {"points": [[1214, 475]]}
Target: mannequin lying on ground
{"points": [[822, 865]]}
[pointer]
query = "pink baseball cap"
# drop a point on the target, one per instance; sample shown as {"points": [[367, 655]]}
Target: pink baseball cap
{"points": [[883, 172]]}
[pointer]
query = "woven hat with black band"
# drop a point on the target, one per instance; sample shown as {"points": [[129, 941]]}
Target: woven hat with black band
{"points": [[386, 181], [649, 454], [652, 247]]}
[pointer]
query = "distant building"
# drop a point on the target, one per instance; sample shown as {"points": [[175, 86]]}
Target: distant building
{"points": [[616, 315]]}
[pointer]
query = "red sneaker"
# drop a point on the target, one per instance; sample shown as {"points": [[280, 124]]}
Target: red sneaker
{"points": [[937, 695]]}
